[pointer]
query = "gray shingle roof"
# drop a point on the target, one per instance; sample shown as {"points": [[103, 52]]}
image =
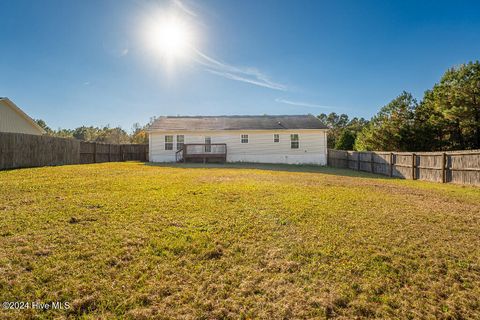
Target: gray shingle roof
{"points": [[237, 123]]}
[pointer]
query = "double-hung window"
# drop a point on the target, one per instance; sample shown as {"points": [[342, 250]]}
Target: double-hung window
{"points": [[180, 141], [294, 141], [276, 137], [244, 138], [208, 144], [168, 142]]}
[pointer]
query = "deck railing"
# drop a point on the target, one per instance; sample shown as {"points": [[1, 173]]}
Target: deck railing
{"points": [[205, 148], [202, 152]]}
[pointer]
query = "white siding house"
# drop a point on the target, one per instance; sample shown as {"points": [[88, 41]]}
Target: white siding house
{"points": [[13, 119], [261, 139]]}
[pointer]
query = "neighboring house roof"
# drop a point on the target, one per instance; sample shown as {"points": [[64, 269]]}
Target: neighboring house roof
{"points": [[22, 114], [199, 123]]}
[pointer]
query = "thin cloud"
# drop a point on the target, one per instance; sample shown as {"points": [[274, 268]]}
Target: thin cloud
{"points": [[303, 104], [180, 5], [243, 74], [235, 77], [117, 47]]}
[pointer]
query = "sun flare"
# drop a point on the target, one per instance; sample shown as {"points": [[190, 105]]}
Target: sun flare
{"points": [[171, 37]]}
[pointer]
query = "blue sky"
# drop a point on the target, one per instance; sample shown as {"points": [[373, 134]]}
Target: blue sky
{"points": [[76, 63]]}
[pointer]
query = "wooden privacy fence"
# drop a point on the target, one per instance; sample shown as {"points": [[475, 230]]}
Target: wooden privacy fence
{"points": [[18, 150], [462, 167], [92, 152]]}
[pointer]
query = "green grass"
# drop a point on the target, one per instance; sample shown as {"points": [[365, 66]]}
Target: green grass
{"points": [[143, 241]]}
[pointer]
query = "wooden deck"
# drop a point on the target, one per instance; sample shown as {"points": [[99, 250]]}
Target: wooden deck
{"points": [[202, 152]]}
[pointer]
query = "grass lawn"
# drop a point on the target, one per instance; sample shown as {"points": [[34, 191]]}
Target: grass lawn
{"points": [[144, 241]]}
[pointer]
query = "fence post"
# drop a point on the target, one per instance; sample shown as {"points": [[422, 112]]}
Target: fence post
{"points": [[358, 161], [121, 152], [391, 164], [414, 159], [372, 164], [444, 167], [109, 152], [94, 152]]}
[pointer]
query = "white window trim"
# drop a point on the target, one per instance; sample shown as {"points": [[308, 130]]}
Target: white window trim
{"points": [[292, 141], [208, 145], [180, 143], [169, 144], [244, 138]]}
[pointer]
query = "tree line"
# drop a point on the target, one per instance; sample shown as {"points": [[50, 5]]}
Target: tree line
{"points": [[447, 118], [105, 134]]}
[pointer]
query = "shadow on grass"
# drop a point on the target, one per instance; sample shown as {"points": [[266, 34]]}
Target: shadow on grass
{"points": [[273, 167]]}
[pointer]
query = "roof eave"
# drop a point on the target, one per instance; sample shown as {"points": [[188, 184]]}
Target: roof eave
{"points": [[202, 130]]}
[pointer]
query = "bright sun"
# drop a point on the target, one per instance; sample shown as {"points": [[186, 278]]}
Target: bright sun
{"points": [[171, 37]]}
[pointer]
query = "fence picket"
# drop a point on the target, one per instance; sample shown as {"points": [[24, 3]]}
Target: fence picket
{"points": [[462, 167], [18, 150]]}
